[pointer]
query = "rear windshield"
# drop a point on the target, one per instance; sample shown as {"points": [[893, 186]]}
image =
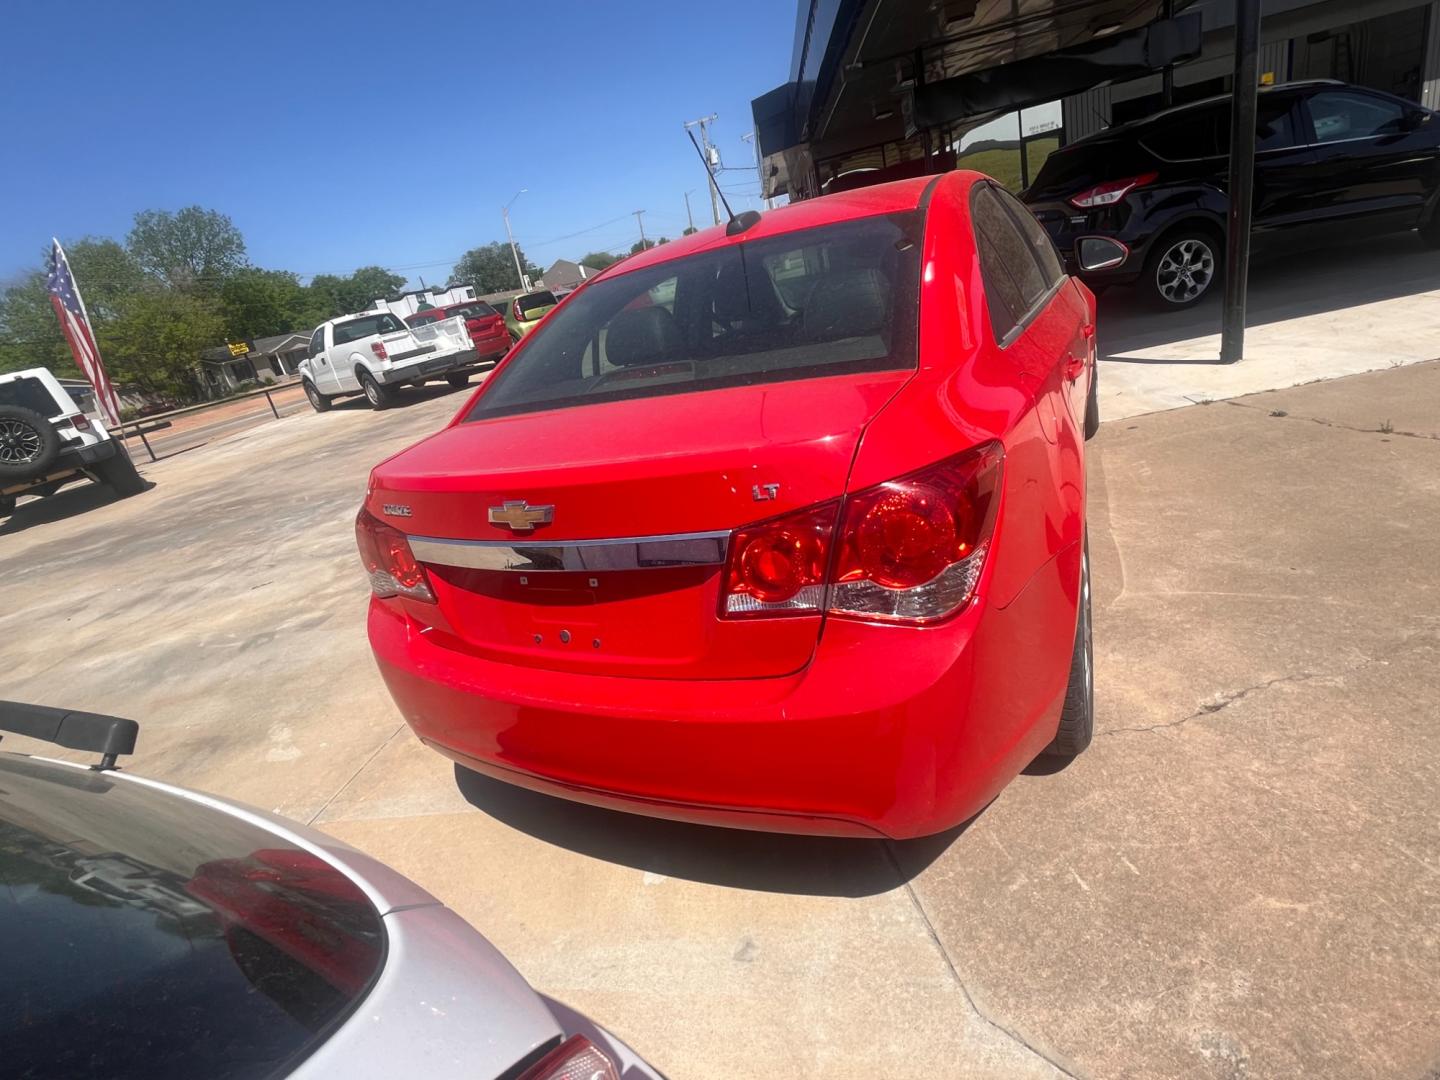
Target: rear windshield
{"points": [[477, 310], [826, 301], [534, 302], [420, 318], [29, 393], [369, 326], [145, 936]]}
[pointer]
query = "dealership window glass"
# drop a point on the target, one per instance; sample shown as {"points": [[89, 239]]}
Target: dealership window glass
{"points": [[832, 300], [1339, 114], [368, 326]]}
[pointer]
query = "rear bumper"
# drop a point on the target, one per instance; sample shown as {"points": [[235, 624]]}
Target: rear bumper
{"points": [[493, 346], [428, 368], [889, 730]]}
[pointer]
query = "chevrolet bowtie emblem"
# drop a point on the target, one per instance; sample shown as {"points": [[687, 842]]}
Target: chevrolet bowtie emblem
{"points": [[521, 516]]}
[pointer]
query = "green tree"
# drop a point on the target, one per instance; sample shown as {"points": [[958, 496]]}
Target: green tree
{"points": [[332, 295], [599, 260], [194, 249], [689, 229], [646, 245], [155, 339], [491, 268], [259, 303]]}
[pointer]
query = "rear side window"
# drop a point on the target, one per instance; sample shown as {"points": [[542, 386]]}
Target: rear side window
{"points": [[1188, 136], [1014, 283], [29, 393], [1344, 114], [1041, 246], [369, 326], [317, 341], [832, 300]]}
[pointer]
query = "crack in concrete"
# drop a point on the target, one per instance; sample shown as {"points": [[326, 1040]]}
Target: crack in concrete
{"points": [[1334, 424], [363, 766], [1014, 1036]]}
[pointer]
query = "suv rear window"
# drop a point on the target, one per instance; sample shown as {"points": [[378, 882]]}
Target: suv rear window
{"points": [[30, 393], [534, 302], [478, 310], [832, 300], [369, 326], [146, 936]]}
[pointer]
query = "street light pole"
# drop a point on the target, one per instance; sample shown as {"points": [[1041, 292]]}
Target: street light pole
{"points": [[514, 251], [1243, 107]]}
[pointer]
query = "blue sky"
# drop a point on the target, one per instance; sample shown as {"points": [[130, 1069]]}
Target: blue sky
{"points": [[340, 134]]}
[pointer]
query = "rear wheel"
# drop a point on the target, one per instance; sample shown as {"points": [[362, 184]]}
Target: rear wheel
{"points": [[318, 401], [458, 380], [1182, 269], [380, 397], [120, 475], [1077, 718]]}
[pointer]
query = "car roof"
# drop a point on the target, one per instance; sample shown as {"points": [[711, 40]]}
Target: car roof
{"points": [[894, 197]]}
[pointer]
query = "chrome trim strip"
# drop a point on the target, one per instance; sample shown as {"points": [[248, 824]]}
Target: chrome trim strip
{"points": [[541, 556]]}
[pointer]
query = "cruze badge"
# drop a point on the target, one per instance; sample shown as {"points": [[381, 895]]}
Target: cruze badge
{"points": [[521, 516], [395, 510]]}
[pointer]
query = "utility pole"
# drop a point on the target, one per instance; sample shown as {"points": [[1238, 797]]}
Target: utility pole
{"points": [[689, 216], [1243, 108], [641, 222], [514, 251], [760, 166], [711, 159]]}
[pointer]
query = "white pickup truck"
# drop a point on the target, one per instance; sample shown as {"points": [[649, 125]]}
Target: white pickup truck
{"points": [[374, 353]]}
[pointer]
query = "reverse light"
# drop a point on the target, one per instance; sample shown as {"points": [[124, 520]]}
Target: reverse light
{"points": [[577, 1058], [1111, 192], [378, 348], [777, 567], [389, 563], [909, 550]]}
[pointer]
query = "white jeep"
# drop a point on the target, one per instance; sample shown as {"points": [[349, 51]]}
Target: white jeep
{"points": [[47, 441], [374, 353]]}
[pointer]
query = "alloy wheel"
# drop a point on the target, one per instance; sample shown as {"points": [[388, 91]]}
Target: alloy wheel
{"points": [[19, 442], [1185, 271], [372, 392]]}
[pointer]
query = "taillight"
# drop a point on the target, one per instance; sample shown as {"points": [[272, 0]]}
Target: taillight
{"points": [[911, 549], [777, 567], [391, 565], [577, 1058], [515, 309], [908, 550], [81, 422], [378, 348], [1111, 192]]}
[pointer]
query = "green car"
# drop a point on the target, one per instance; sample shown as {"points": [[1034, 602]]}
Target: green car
{"points": [[527, 309]]}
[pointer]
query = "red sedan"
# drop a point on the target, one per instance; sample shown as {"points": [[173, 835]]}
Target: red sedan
{"points": [[778, 526]]}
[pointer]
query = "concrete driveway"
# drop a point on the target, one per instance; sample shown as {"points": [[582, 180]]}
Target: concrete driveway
{"points": [[1240, 878]]}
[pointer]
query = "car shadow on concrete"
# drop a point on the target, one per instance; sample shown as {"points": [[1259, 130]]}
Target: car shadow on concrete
{"points": [[1283, 286], [736, 858], [408, 396], [66, 503]]}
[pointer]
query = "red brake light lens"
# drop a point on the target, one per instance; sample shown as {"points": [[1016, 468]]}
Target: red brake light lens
{"points": [[577, 1058], [390, 564], [81, 422], [378, 348], [911, 549], [1111, 192], [777, 567]]}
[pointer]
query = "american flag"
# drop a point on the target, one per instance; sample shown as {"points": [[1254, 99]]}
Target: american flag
{"points": [[70, 310]]}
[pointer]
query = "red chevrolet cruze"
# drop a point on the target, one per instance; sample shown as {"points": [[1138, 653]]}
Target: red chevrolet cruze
{"points": [[778, 526]]}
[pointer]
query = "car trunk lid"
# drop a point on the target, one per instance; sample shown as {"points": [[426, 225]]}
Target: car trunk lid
{"points": [[669, 479]]}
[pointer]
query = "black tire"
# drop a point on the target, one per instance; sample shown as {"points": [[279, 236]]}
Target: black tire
{"points": [[318, 401], [29, 444], [380, 397], [120, 475], [458, 381], [1092, 403], [1184, 267], [1077, 718]]}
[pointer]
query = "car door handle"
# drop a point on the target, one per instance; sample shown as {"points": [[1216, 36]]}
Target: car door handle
{"points": [[1075, 362]]}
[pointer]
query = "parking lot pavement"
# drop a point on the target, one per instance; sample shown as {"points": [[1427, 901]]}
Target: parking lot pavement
{"points": [[1240, 877], [1311, 315]]}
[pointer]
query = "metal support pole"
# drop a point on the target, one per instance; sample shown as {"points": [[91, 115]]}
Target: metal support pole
{"points": [[1243, 105], [689, 217], [514, 251], [148, 448], [272, 405]]}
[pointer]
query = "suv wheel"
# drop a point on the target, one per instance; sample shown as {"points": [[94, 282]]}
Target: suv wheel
{"points": [[28, 443], [1182, 269]]}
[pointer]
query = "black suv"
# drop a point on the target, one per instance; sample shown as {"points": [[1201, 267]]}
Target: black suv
{"points": [[1146, 202]]}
